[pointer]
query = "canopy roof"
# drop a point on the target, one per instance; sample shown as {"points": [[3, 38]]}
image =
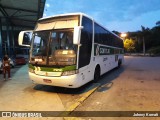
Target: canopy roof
{"points": [[21, 13]]}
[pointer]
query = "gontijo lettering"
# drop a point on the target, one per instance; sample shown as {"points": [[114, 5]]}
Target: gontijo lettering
{"points": [[104, 51]]}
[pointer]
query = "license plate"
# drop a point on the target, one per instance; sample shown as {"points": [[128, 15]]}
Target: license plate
{"points": [[47, 81]]}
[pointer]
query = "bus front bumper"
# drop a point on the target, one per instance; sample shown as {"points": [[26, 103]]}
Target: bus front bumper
{"points": [[62, 81]]}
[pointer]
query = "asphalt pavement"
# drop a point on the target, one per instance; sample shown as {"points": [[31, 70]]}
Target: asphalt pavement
{"points": [[133, 87], [20, 94]]}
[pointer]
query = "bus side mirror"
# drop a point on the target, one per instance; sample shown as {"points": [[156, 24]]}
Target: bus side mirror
{"points": [[24, 38], [77, 34]]}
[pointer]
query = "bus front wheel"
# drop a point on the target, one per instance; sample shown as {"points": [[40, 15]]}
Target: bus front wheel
{"points": [[97, 74]]}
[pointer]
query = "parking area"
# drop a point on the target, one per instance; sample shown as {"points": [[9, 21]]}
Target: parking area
{"points": [[133, 87], [19, 94]]}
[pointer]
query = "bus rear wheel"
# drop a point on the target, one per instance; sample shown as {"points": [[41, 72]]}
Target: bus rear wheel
{"points": [[97, 74], [119, 63]]}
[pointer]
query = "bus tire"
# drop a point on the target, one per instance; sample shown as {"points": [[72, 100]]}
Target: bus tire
{"points": [[119, 63], [97, 73]]}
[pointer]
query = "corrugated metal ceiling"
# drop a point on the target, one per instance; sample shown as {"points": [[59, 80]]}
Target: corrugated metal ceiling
{"points": [[22, 13]]}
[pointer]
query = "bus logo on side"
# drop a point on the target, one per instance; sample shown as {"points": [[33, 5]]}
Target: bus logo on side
{"points": [[104, 51]]}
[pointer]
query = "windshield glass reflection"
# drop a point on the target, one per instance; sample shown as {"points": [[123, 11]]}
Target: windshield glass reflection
{"points": [[53, 48]]}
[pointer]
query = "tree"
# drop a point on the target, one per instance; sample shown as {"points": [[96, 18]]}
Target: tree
{"points": [[158, 23], [144, 39], [145, 34], [155, 36], [129, 45]]}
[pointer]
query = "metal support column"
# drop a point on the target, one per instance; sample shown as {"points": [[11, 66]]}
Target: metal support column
{"points": [[13, 42], [7, 36], [1, 39]]}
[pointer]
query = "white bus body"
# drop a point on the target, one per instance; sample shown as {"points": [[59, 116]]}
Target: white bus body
{"points": [[57, 60]]}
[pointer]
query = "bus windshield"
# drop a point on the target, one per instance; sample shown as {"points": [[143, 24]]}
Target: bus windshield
{"points": [[53, 48]]}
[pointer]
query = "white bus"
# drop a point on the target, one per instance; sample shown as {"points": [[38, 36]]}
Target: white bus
{"points": [[70, 50]]}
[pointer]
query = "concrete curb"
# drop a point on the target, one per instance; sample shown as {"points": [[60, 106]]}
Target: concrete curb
{"points": [[79, 102]]}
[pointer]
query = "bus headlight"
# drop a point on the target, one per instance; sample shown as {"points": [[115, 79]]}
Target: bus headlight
{"points": [[72, 72]]}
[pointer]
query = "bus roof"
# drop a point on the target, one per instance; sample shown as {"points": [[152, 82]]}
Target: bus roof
{"points": [[68, 14], [77, 13]]}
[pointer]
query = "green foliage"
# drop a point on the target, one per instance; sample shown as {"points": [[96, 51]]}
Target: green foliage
{"points": [[155, 37], [154, 51], [129, 45], [158, 23], [151, 38]]}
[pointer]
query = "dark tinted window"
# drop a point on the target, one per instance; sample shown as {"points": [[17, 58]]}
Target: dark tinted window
{"points": [[86, 41], [103, 36]]}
